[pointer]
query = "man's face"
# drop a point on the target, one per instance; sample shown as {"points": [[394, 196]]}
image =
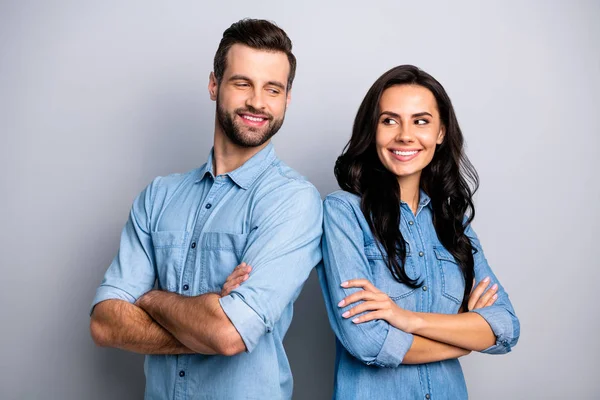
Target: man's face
{"points": [[251, 97]]}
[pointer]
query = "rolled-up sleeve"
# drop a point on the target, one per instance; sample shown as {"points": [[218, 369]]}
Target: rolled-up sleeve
{"points": [[282, 248], [501, 316], [247, 322], [374, 342], [132, 272]]}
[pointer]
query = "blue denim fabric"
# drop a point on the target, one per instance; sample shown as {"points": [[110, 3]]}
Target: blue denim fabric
{"points": [[188, 232], [369, 355]]}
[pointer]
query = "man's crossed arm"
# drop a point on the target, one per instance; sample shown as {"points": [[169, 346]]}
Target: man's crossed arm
{"points": [[168, 323]]}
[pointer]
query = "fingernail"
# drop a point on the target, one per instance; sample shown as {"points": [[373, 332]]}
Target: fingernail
{"points": [[495, 296], [246, 277], [344, 284], [355, 320], [487, 279], [341, 303], [495, 286], [346, 314]]}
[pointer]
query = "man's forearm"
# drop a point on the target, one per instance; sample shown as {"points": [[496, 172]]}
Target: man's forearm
{"points": [[198, 322], [424, 350], [117, 323]]}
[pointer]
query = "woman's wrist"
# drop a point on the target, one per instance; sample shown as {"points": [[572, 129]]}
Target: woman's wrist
{"points": [[407, 321], [415, 322]]}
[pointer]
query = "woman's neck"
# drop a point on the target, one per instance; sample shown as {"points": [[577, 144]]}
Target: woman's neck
{"points": [[410, 191]]}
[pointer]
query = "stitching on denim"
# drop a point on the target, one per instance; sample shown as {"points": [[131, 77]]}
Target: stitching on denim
{"points": [[441, 266]]}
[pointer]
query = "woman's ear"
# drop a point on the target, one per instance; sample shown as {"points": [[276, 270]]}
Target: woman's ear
{"points": [[441, 135]]}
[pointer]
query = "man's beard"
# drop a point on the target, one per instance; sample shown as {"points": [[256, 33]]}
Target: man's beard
{"points": [[247, 136]]}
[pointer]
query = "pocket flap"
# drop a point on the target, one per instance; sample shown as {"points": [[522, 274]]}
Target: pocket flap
{"points": [[443, 254], [224, 241]]}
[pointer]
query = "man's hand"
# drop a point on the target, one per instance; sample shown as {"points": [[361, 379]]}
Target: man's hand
{"points": [[239, 275]]}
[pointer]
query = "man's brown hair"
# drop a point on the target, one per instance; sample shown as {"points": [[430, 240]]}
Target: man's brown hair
{"points": [[258, 34]]}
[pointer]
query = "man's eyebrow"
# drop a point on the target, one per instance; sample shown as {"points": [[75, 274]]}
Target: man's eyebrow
{"points": [[245, 78], [239, 78], [276, 84]]}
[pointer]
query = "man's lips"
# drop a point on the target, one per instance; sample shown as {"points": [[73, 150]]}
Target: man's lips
{"points": [[253, 119]]}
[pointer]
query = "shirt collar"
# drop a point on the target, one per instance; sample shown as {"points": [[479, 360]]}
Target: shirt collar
{"points": [[424, 201], [245, 175]]}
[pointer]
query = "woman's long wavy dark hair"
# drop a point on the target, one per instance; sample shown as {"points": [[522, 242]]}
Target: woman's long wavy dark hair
{"points": [[449, 180]]}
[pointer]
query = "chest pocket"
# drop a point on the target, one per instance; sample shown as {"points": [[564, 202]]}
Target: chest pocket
{"points": [[453, 282], [221, 253], [382, 277], [169, 253]]}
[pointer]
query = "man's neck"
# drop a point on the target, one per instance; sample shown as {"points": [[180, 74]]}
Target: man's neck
{"points": [[228, 156]]}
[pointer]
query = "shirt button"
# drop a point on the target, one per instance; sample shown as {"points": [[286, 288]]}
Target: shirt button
{"points": [[186, 287], [208, 206], [421, 254], [193, 245], [182, 373], [427, 396], [411, 223], [425, 288]]}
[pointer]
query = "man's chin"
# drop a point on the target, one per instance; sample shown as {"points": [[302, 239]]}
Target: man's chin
{"points": [[250, 137]]}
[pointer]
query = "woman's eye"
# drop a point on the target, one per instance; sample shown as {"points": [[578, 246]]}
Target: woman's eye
{"points": [[421, 122], [389, 121]]}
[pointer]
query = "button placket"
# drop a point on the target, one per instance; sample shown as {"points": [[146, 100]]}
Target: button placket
{"points": [[202, 216]]}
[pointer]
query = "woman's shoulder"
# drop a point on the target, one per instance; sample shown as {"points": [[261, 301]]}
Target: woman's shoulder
{"points": [[342, 198]]}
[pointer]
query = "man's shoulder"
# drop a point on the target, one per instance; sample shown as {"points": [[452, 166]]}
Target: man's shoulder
{"points": [[164, 187], [281, 184], [283, 177]]}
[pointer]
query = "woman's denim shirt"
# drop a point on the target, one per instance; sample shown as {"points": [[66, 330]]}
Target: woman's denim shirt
{"points": [[369, 355]]}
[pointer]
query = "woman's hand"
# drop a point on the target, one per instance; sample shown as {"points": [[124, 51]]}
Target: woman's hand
{"points": [[236, 278], [378, 303], [480, 297]]}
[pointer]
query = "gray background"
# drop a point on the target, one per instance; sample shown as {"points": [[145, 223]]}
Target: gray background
{"points": [[97, 99]]}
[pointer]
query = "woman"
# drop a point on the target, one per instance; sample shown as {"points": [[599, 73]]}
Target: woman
{"points": [[400, 255]]}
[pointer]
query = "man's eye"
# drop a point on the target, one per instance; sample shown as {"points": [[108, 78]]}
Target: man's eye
{"points": [[273, 91], [241, 84]]}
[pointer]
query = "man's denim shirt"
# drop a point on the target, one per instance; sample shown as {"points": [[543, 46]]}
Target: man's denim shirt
{"points": [[369, 355], [187, 233]]}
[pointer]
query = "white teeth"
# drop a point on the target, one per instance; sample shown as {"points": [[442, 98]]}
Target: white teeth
{"points": [[254, 119], [405, 153]]}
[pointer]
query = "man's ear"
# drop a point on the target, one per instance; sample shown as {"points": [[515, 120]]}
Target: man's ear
{"points": [[213, 86]]}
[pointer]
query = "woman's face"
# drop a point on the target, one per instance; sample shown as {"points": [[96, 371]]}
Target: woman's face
{"points": [[408, 130]]}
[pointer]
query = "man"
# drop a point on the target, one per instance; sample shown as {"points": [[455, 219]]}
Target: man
{"points": [[211, 331]]}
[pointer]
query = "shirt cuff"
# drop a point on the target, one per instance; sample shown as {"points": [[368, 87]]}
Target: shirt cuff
{"points": [[246, 321], [501, 323], [108, 292], [396, 345]]}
